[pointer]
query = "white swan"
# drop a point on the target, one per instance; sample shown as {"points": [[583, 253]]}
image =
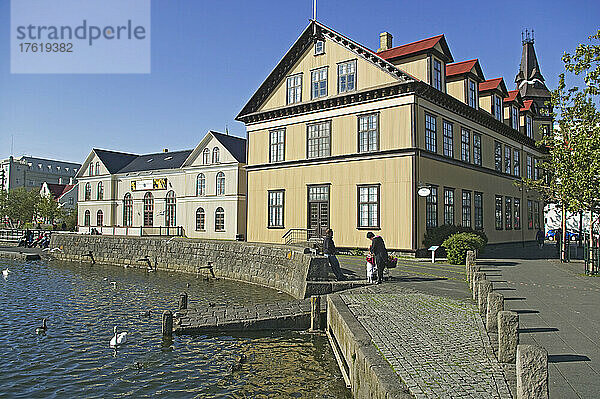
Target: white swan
{"points": [[118, 339], [5, 273]]}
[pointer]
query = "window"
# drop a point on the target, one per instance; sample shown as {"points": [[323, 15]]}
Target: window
{"points": [[294, 89], [206, 156], [536, 170], [508, 213], [319, 140], [100, 193], [448, 129], [499, 220], [477, 149], [430, 133], [545, 130], [99, 218], [347, 76], [498, 108], [86, 218], [466, 208], [170, 209], [536, 214], [368, 133], [97, 168], [215, 155], [448, 206], [517, 214], [473, 102], [276, 208], [71, 201], [465, 145], [88, 192], [200, 184], [516, 162], [90, 173], [514, 117], [478, 210], [219, 219], [431, 208], [529, 214], [507, 160], [498, 156], [437, 74], [127, 210], [368, 206], [529, 170], [319, 47], [528, 127], [148, 209], [220, 183], [277, 145], [200, 219], [319, 82]]}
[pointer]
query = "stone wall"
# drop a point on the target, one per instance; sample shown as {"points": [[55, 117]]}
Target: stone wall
{"points": [[275, 266]]}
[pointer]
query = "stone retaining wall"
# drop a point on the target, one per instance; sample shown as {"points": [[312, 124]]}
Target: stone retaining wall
{"points": [[279, 267]]}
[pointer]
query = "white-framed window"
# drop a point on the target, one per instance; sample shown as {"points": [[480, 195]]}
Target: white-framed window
{"points": [[448, 128], [368, 206], [368, 133], [87, 192], [528, 127], [430, 133], [276, 201], [200, 219], [220, 183], [86, 218], [516, 162], [219, 219], [127, 210], [277, 145], [206, 156], [465, 145], [99, 218], [498, 108], [529, 167], [100, 192], [466, 208], [507, 160], [498, 156], [472, 94], [216, 155], [319, 47], [437, 74], [478, 210], [477, 148], [448, 206], [200, 184], [170, 209], [431, 208], [514, 117], [347, 76], [318, 79], [319, 140], [294, 89]]}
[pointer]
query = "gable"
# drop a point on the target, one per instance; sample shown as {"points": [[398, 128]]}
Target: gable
{"points": [[231, 149]]}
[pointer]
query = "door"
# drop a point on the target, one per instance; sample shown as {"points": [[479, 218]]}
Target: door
{"points": [[318, 210]]}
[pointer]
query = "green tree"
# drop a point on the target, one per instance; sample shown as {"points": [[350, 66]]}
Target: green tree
{"points": [[18, 206], [49, 209]]}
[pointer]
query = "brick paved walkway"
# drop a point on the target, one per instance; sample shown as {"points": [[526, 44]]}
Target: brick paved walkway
{"points": [[437, 345]]}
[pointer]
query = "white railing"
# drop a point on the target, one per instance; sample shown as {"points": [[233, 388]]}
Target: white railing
{"points": [[132, 231]]}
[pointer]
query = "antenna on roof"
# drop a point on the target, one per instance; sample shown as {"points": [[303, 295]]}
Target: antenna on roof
{"points": [[314, 10], [526, 37], [226, 130]]}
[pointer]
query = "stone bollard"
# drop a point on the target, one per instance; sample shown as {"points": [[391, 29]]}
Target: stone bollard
{"points": [[469, 262], [474, 269], [495, 304], [532, 372], [508, 336], [315, 313], [484, 287], [167, 324], [183, 301], [477, 277]]}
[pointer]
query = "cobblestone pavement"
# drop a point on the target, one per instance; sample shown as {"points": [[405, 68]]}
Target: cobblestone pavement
{"points": [[437, 345]]}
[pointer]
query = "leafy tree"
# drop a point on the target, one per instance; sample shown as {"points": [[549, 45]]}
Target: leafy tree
{"points": [[18, 206], [49, 209]]}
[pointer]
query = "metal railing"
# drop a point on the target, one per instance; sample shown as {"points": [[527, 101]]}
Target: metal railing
{"points": [[296, 236], [168, 231], [14, 235]]}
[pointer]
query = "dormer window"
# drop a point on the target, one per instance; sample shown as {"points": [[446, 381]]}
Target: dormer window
{"points": [[319, 47], [473, 100], [514, 117], [498, 108], [437, 74], [319, 82]]}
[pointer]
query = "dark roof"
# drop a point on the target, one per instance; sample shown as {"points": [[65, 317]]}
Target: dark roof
{"points": [[160, 160], [529, 79], [113, 160], [235, 145], [58, 190], [415, 48]]}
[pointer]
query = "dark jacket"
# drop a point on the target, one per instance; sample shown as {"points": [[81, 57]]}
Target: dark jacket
{"points": [[329, 246], [539, 236], [378, 247]]}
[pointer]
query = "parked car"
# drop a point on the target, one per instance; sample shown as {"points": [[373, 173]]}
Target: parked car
{"points": [[571, 235]]}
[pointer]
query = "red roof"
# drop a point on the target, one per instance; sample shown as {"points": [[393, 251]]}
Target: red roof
{"points": [[58, 190], [490, 84], [527, 105], [512, 96], [458, 68], [410, 48]]}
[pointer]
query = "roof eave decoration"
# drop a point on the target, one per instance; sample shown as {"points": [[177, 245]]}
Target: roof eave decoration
{"points": [[314, 31]]}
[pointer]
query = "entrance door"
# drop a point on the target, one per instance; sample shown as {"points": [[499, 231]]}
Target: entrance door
{"points": [[318, 210]]}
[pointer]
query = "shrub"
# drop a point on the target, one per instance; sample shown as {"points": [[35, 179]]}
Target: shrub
{"points": [[437, 235], [458, 244], [357, 252]]}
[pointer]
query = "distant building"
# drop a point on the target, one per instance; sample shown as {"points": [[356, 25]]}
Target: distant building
{"points": [[201, 192], [64, 194], [31, 172]]}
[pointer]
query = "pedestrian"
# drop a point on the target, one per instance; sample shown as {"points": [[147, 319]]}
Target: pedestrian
{"points": [[539, 237], [378, 250], [330, 250], [370, 268]]}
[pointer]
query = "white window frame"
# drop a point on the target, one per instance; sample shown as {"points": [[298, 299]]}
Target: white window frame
{"points": [[294, 89]]}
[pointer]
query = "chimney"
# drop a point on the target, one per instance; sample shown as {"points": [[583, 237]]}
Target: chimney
{"points": [[70, 181], [385, 41], [165, 150]]}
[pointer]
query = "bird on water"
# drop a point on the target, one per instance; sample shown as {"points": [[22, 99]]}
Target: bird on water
{"points": [[5, 273], [42, 329], [118, 339]]}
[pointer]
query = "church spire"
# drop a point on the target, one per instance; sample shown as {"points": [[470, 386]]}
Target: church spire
{"points": [[529, 79]]}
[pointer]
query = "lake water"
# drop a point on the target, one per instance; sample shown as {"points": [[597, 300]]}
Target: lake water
{"points": [[74, 359]]}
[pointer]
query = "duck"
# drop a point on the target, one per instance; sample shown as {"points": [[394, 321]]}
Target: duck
{"points": [[5, 273], [118, 339], [42, 329], [114, 284]]}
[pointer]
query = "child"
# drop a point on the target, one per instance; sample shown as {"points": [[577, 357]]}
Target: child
{"points": [[370, 268]]}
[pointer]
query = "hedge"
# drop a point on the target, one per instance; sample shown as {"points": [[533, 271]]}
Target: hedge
{"points": [[458, 244]]}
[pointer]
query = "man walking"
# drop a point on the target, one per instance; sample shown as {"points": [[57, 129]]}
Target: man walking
{"points": [[379, 251], [330, 250]]}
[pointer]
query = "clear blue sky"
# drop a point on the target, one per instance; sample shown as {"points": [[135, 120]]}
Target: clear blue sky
{"points": [[209, 57]]}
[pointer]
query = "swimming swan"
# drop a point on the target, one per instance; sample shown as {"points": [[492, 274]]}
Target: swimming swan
{"points": [[5, 273], [118, 339]]}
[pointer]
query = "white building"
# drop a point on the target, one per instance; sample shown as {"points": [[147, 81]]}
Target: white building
{"points": [[31, 172], [197, 193], [64, 194]]}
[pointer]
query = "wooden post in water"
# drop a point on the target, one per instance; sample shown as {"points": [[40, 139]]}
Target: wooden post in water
{"points": [[183, 301], [167, 324], [315, 313]]}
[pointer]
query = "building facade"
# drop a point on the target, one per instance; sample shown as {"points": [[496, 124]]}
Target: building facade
{"points": [[201, 191], [64, 194], [31, 172], [343, 137]]}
